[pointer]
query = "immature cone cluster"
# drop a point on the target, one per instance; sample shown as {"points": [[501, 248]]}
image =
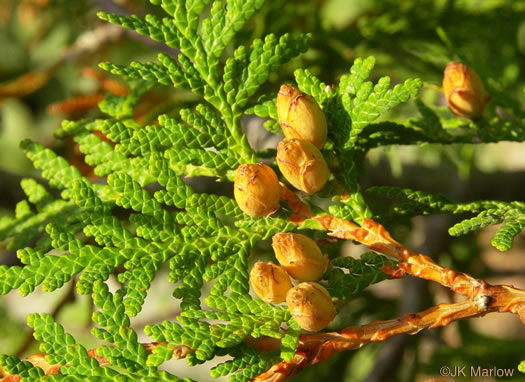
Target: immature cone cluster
{"points": [[303, 165], [465, 92], [300, 116], [256, 189], [257, 193], [311, 306], [299, 256], [256, 186], [270, 282], [304, 124]]}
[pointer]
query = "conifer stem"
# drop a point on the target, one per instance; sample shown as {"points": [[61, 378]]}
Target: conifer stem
{"points": [[482, 297], [316, 347]]}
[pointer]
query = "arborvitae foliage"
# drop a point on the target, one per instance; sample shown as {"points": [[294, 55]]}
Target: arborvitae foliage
{"points": [[143, 216], [489, 212]]}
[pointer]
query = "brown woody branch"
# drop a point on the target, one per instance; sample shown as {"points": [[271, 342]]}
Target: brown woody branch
{"points": [[377, 238], [313, 348], [483, 298]]}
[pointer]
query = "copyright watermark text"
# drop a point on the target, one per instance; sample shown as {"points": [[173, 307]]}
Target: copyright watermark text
{"points": [[475, 371]]}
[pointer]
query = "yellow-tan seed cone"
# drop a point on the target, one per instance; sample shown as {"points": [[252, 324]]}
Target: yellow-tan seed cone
{"points": [[303, 165], [256, 189], [311, 306], [300, 116], [270, 282], [464, 90], [299, 256]]}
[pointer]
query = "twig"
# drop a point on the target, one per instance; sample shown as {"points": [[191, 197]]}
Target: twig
{"points": [[300, 209], [378, 239], [312, 348], [317, 347], [414, 290], [483, 298]]}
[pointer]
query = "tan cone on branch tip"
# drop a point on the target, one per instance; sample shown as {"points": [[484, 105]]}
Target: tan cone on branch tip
{"points": [[300, 116], [256, 189], [311, 306], [303, 165], [299, 256], [465, 92], [270, 282]]}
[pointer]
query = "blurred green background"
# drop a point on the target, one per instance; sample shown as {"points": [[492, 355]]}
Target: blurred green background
{"points": [[48, 72]]}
